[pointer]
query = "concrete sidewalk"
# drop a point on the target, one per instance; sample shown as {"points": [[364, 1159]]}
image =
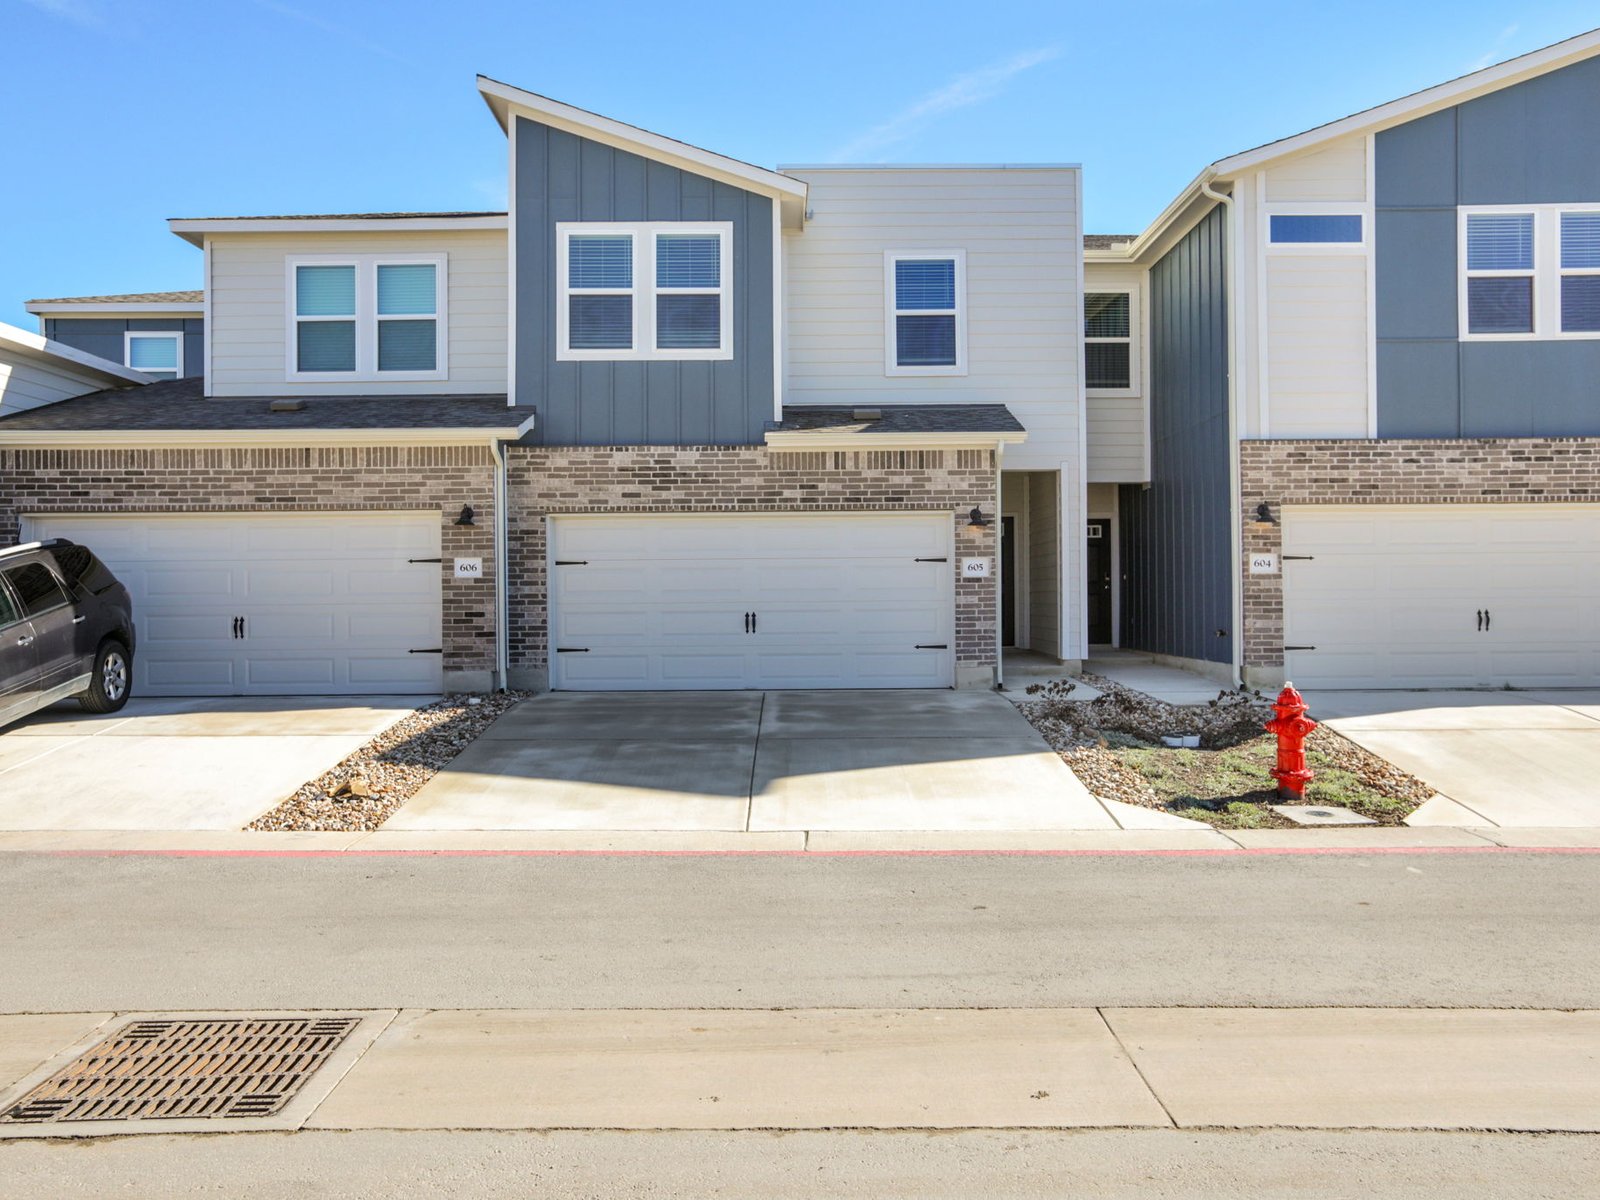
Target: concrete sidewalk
{"points": [[679, 1069]]}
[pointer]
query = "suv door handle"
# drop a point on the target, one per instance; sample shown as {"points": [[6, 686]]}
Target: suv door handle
{"points": [[79, 620], [25, 641]]}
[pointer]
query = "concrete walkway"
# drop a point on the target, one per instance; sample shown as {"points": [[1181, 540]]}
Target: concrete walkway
{"points": [[1047, 1068], [752, 762], [1143, 673], [180, 764]]}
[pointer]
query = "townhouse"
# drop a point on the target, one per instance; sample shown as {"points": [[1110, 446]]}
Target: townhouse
{"points": [[673, 421]]}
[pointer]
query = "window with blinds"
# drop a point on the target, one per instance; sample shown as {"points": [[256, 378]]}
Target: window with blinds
{"points": [[1108, 341], [926, 327], [1531, 272], [644, 291], [371, 317], [158, 355]]}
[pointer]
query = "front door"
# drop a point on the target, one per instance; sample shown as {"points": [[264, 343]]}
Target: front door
{"points": [[1008, 581], [1099, 563]]}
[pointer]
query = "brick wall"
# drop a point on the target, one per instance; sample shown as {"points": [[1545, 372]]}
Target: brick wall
{"points": [[1480, 471], [301, 479], [748, 479]]}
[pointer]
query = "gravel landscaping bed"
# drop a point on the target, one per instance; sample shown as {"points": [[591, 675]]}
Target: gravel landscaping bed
{"points": [[1113, 745], [364, 790]]}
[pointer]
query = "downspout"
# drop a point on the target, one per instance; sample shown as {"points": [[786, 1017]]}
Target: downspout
{"points": [[999, 571], [502, 519], [1235, 243]]}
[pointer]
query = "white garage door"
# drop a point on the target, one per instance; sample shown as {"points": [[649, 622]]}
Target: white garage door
{"points": [[841, 601], [1442, 596], [248, 604]]}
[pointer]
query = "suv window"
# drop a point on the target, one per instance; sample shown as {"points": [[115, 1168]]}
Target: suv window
{"points": [[36, 587], [8, 609]]}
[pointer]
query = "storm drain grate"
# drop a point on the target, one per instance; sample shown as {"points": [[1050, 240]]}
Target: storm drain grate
{"points": [[153, 1070]]}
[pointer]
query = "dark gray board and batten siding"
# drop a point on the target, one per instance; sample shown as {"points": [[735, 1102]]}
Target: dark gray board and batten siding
{"points": [[563, 177], [96, 335], [1177, 590], [1534, 143]]}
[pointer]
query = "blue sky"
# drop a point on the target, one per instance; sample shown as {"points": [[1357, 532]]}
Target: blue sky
{"points": [[121, 113]]}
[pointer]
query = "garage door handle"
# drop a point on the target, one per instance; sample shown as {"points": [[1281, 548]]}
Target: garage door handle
{"points": [[1488, 619], [752, 622], [747, 622]]}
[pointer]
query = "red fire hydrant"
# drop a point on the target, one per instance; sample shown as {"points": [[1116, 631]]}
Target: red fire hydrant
{"points": [[1291, 725]]}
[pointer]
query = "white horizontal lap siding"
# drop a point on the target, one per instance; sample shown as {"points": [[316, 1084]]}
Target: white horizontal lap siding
{"points": [[1021, 233], [1317, 345], [1118, 430], [1336, 172], [249, 310], [27, 383]]}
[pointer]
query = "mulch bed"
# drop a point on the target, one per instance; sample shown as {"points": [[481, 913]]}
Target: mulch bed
{"points": [[364, 790], [1113, 744]]}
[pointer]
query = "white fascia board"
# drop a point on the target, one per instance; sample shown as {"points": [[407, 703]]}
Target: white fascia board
{"points": [[194, 229], [201, 438], [169, 308], [32, 345], [795, 439], [1420, 104], [1040, 166], [503, 98]]}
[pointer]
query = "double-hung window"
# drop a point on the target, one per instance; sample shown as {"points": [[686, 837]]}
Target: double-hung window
{"points": [[1530, 272], [158, 355], [1108, 342], [925, 327], [658, 290], [367, 317]]}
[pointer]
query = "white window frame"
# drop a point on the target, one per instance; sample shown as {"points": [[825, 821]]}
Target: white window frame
{"points": [[891, 349], [172, 335], [644, 291], [1132, 340], [366, 317], [1330, 208], [1547, 272]]}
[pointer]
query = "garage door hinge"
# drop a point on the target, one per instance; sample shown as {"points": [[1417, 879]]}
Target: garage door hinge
{"points": [[572, 562], [933, 646], [930, 560], [435, 650], [572, 649], [416, 560], [1298, 557], [1299, 647]]}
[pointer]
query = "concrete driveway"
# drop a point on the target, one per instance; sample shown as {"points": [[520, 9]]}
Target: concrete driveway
{"points": [[214, 763], [881, 760], [1528, 759]]}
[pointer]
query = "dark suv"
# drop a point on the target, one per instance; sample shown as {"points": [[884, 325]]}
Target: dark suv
{"points": [[66, 629]]}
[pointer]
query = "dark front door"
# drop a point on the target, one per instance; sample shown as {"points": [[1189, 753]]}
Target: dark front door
{"points": [[1008, 581], [1099, 560]]}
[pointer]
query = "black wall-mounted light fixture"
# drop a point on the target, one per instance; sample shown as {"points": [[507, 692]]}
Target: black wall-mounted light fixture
{"points": [[466, 517], [976, 519], [1263, 518]]}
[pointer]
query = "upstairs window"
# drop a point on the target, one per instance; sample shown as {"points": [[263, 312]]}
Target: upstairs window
{"points": [[367, 317], [1314, 229], [661, 290], [158, 355], [1530, 272], [926, 327], [1108, 342]]}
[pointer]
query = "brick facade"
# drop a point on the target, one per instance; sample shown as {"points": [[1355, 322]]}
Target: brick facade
{"points": [[744, 479], [293, 479], [1478, 471]]}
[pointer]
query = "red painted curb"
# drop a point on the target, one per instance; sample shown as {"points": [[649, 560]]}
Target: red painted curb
{"points": [[1238, 852]]}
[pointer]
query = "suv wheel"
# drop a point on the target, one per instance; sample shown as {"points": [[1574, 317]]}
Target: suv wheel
{"points": [[112, 679]]}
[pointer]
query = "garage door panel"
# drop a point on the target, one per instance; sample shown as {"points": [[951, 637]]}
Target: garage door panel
{"points": [[330, 604], [1402, 609], [839, 601]]}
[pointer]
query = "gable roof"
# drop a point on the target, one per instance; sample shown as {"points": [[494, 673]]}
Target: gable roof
{"points": [[503, 98], [194, 229], [20, 345]]}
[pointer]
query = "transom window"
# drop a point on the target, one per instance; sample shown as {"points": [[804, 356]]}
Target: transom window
{"points": [[926, 324], [158, 355], [1530, 272], [1108, 341], [1314, 229], [644, 291], [367, 317]]}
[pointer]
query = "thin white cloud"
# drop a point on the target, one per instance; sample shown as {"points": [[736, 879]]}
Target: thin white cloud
{"points": [[973, 87], [326, 26], [1497, 49], [77, 11]]}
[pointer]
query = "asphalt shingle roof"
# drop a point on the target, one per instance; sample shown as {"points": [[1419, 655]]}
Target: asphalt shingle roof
{"points": [[902, 419], [372, 216], [195, 297], [1104, 241], [180, 404]]}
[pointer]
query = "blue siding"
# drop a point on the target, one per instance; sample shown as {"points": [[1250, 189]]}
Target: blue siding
{"points": [[95, 335], [1535, 143], [563, 177], [1177, 588]]}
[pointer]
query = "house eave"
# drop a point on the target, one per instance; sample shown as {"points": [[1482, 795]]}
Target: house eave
{"points": [[795, 439]]}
